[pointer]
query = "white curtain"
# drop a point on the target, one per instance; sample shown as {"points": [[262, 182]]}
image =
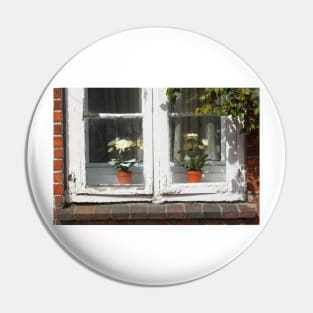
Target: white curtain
{"points": [[182, 122]]}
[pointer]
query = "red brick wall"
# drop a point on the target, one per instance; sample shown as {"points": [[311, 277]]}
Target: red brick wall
{"points": [[58, 146], [253, 167]]}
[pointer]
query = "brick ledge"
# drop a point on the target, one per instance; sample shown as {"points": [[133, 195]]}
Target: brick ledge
{"points": [[168, 213]]}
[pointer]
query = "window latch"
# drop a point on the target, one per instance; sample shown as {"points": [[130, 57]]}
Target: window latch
{"points": [[71, 178]]}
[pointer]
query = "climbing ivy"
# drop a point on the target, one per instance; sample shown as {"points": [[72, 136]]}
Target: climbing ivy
{"points": [[240, 103]]}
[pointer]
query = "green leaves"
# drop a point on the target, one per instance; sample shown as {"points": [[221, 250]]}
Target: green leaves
{"points": [[195, 157], [122, 165], [196, 162], [241, 103], [172, 94], [123, 150]]}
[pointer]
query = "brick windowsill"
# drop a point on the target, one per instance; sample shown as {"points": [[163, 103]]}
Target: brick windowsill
{"points": [[169, 213]]}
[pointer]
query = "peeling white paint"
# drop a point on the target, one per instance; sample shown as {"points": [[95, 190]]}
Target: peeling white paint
{"points": [[157, 186]]}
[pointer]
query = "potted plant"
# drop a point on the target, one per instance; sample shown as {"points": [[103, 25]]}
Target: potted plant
{"points": [[194, 156], [123, 149]]}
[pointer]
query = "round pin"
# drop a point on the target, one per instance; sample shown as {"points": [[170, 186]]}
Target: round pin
{"points": [[155, 156]]}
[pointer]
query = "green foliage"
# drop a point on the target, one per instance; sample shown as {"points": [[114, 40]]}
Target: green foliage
{"points": [[194, 157], [172, 94], [123, 149], [242, 104], [195, 163], [123, 165]]}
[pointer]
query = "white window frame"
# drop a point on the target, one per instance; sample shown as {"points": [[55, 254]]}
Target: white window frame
{"points": [[78, 190], [232, 189], [157, 173]]}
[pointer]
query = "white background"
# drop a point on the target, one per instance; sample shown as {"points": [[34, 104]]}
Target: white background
{"points": [[274, 273]]}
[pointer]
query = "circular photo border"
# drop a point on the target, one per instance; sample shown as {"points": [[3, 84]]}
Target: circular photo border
{"points": [[154, 254]]}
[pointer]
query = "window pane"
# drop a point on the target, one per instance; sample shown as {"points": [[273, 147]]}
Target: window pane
{"points": [[187, 101], [102, 131], [114, 100], [99, 132], [182, 121], [207, 127]]}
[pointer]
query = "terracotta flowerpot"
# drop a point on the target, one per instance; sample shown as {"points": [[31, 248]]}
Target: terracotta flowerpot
{"points": [[194, 176], [124, 177]]}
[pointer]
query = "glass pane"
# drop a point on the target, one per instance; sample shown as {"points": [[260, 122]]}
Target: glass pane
{"points": [[99, 132], [187, 101], [114, 100], [207, 128], [102, 131], [208, 133]]}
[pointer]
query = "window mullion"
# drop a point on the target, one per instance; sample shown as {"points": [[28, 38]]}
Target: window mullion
{"points": [[147, 133], [161, 143]]}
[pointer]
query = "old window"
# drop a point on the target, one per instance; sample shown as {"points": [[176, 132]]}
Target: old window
{"points": [[95, 116], [111, 113]]}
